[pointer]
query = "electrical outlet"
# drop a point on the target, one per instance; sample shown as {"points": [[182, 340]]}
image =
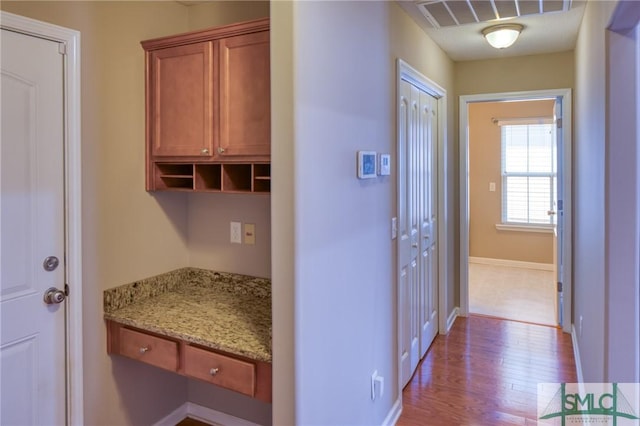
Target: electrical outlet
{"points": [[249, 233], [236, 233], [376, 382], [373, 385]]}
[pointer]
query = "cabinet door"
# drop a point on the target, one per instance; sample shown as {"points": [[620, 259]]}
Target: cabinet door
{"points": [[182, 98], [245, 105]]}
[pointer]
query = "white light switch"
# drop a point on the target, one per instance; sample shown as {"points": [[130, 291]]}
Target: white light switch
{"points": [[492, 187]]}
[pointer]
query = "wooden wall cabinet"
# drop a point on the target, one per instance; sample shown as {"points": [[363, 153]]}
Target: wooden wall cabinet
{"points": [[208, 103], [245, 121]]}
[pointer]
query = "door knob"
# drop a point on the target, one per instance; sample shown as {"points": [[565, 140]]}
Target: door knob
{"points": [[220, 150], [204, 151], [54, 296]]}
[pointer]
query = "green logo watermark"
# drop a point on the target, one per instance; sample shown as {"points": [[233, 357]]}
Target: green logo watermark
{"points": [[616, 404]]}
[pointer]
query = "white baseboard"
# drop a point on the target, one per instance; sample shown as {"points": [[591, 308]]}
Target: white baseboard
{"points": [[174, 417], [394, 414], [576, 353], [204, 414], [512, 263], [452, 318]]}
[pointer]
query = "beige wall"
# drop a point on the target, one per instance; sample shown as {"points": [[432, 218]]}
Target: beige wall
{"points": [[213, 14], [129, 234], [535, 72], [485, 207]]}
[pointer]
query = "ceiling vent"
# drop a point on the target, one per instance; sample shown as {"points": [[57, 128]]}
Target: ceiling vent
{"points": [[449, 13]]}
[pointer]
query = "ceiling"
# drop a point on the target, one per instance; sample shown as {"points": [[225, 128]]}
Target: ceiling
{"points": [[456, 25]]}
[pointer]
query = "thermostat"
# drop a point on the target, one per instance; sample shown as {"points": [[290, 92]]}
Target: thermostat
{"points": [[367, 167]]}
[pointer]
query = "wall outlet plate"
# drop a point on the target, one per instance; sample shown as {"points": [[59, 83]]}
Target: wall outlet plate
{"points": [[236, 232]]}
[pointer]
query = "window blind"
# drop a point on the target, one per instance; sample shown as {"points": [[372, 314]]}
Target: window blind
{"points": [[528, 173]]}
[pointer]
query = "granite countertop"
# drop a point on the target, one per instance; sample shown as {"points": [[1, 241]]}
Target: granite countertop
{"points": [[223, 311]]}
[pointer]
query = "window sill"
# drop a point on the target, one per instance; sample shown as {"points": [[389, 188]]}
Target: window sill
{"points": [[544, 229]]}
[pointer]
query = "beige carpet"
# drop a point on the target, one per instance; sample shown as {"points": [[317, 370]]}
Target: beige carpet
{"points": [[512, 293]]}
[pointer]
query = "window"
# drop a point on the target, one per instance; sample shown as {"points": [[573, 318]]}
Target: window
{"points": [[528, 174]]}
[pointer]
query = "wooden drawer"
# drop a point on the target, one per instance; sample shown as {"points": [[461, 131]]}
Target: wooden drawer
{"points": [[153, 350], [221, 370]]}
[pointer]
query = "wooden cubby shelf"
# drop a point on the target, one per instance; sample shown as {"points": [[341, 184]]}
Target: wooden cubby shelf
{"points": [[262, 178], [213, 177]]}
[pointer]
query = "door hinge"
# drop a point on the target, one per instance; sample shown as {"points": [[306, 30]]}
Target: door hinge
{"points": [[559, 286], [66, 290], [62, 48], [559, 123]]}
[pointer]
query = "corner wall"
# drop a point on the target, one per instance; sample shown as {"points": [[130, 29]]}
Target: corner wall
{"points": [[589, 190], [333, 268]]}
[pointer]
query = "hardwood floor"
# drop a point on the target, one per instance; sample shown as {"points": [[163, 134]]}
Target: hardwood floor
{"points": [[192, 422], [486, 372]]}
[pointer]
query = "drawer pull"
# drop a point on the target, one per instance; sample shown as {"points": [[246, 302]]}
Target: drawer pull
{"points": [[144, 349], [214, 371]]}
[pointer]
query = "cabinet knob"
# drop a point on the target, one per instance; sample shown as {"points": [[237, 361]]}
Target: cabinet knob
{"points": [[220, 150], [204, 151], [144, 350], [214, 371]]}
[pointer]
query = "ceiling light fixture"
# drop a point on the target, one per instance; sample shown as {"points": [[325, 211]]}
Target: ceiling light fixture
{"points": [[503, 35]]}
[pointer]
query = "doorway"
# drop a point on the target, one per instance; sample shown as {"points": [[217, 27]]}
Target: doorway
{"points": [[41, 346], [512, 172], [556, 218]]}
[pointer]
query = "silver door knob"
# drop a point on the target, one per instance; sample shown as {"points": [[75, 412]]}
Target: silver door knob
{"points": [[54, 296], [204, 151], [214, 371], [220, 150]]}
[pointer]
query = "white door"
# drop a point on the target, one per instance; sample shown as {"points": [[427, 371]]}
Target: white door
{"points": [[32, 346], [428, 227], [558, 210], [416, 226], [408, 230]]}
